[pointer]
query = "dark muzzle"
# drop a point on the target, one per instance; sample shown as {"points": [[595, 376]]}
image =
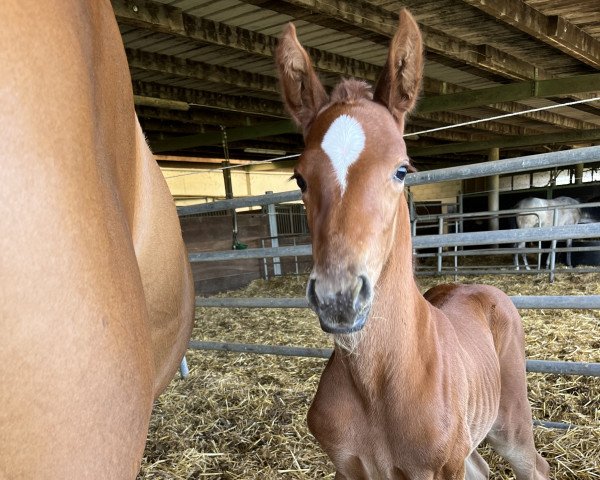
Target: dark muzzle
{"points": [[342, 311]]}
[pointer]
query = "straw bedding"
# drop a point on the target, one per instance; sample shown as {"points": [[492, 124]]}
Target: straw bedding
{"points": [[242, 416]]}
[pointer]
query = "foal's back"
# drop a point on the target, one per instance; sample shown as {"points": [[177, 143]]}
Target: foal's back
{"points": [[473, 309]]}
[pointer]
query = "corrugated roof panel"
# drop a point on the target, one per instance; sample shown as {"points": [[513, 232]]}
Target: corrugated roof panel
{"points": [[457, 77]]}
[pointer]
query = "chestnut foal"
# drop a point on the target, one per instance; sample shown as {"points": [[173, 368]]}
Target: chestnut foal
{"points": [[415, 383]]}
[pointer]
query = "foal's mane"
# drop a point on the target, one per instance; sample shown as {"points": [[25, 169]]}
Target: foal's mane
{"points": [[351, 90]]}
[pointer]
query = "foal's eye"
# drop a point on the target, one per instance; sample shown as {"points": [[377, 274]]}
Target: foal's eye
{"points": [[401, 173], [300, 182]]}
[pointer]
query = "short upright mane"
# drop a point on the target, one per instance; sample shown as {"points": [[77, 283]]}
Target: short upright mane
{"points": [[351, 90]]}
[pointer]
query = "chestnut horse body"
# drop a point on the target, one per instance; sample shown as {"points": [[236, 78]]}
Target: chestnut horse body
{"points": [[415, 382], [96, 294]]}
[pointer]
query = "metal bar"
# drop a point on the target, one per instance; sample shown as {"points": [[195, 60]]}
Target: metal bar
{"points": [[563, 368], [533, 366], [507, 251], [261, 349], [556, 425], [520, 301], [502, 271], [440, 249], [251, 302], [589, 230], [541, 161], [566, 232], [289, 251], [241, 202], [274, 237], [507, 213]]}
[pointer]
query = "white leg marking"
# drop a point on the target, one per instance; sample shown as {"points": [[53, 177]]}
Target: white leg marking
{"points": [[343, 143]]}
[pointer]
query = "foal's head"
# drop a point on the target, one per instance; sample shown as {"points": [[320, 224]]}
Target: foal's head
{"points": [[352, 170]]}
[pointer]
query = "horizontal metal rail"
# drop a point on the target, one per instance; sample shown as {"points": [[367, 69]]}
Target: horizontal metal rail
{"points": [[533, 366], [251, 302], [291, 251], [588, 230], [566, 232], [524, 301], [240, 202], [478, 252], [504, 270], [502, 213], [556, 425], [541, 161]]}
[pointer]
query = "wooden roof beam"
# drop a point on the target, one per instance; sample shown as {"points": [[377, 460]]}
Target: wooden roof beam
{"points": [[197, 116], [509, 142], [190, 69], [202, 98], [186, 68], [233, 135], [362, 18], [443, 95], [170, 20], [552, 30]]}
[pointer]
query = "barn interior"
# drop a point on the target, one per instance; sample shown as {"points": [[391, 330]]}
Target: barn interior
{"points": [[503, 79], [202, 69]]}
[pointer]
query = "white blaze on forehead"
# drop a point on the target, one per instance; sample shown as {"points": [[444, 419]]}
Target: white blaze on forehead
{"points": [[343, 143]]}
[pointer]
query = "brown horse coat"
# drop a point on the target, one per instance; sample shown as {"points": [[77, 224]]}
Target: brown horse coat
{"points": [[415, 382], [96, 294]]}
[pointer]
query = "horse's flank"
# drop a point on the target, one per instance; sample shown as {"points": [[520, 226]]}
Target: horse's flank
{"points": [[96, 295]]}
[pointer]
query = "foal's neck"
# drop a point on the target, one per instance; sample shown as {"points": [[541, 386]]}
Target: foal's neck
{"points": [[398, 333]]}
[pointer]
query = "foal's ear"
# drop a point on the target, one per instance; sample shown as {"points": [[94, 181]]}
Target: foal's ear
{"points": [[303, 93], [400, 81]]}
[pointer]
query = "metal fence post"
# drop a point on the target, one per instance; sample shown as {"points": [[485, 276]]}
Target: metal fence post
{"points": [[274, 236]]}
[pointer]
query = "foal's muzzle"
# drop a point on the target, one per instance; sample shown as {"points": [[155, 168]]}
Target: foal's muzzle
{"points": [[341, 311]]}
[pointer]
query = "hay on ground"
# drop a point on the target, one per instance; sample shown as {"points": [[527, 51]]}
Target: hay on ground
{"points": [[242, 416]]}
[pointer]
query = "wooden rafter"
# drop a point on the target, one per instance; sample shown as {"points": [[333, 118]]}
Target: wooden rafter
{"points": [[374, 23], [210, 99], [169, 65], [170, 20], [509, 142], [552, 30]]}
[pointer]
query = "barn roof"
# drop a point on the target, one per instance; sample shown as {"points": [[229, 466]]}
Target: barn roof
{"points": [[201, 67]]}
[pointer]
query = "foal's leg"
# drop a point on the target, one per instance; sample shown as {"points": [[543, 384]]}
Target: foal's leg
{"points": [[511, 436], [476, 468]]}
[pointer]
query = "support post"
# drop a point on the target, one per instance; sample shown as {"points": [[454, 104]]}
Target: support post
{"points": [[493, 187], [578, 173], [226, 166], [274, 236]]}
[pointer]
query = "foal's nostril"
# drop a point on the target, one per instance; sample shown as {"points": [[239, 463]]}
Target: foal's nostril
{"points": [[311, 294], [362, 292]]}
